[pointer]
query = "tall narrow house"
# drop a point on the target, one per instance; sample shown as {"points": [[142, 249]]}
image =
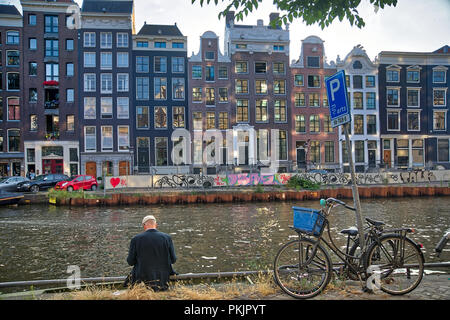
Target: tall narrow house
{"points": [[50, 123], [106, 85]]}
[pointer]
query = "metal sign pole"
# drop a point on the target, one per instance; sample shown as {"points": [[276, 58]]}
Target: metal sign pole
{"points": [[355, 192]]}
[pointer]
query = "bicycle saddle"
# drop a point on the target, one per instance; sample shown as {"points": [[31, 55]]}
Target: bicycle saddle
{"points": [[375, 223], [352, 231]]}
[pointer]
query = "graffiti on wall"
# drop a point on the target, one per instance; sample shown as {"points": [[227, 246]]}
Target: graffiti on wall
{"points": [[182, 180], [251, 179]]}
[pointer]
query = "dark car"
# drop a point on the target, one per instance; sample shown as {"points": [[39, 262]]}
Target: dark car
{"points": [[10, 183], [42, 182]]}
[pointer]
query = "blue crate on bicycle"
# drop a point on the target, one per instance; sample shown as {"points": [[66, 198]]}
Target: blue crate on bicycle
{"points": [[308, 220]]}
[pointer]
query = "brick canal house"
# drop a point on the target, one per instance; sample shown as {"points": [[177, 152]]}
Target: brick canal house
{"points": [[314, 143], [11, 82], [106, 85], [414, 109], [159, 66], [210, 101], [362, 85], [260, 93], [49, 121]]}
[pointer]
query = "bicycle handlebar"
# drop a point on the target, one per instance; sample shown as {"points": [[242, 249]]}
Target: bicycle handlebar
{"points": [[342, 203]]}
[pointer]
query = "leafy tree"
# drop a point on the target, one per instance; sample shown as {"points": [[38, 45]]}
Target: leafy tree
{"points": [[322, 12]]}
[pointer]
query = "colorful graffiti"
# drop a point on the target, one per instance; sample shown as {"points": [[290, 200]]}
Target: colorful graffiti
{"points": [[251, 179]]}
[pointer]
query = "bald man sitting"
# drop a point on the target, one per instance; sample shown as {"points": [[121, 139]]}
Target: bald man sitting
{"points": [[151, 254]]}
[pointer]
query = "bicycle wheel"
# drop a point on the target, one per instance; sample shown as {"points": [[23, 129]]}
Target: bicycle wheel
{"points": [[396, 264], [302, 268]]}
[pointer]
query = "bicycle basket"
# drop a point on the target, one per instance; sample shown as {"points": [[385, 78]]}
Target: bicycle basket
{"points": [[308, 220]]}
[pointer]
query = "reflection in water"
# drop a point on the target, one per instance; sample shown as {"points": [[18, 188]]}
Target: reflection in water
{"points": [[39, 242]]}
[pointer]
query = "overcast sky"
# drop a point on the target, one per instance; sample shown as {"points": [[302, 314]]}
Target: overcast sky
{"points": [[413, 25]]}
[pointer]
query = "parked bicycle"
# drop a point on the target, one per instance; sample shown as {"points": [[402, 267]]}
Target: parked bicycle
{"points": [[303, 267], [442, 243]]}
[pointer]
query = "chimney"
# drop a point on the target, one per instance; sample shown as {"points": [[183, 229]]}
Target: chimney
{"points": [[229, 20], [274, 16]]}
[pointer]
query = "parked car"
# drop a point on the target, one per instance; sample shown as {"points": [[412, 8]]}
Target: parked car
{"points": [[10, 183], [42, 182], [78, 182]]}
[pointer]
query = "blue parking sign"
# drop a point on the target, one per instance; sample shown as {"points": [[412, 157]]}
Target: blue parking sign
{"points": [[337, 99]]}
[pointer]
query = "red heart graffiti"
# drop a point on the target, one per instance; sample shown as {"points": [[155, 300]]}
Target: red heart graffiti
{"points": [[114, 182]]}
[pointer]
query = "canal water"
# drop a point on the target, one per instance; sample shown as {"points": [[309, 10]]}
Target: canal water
{"points": [[40, 242]]}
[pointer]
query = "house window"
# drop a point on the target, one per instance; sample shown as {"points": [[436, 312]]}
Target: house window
{"points": [[315, 152], [51, 48], [209, 55], [106, 107], [106, 83], [439, 120], [160, 117], [89, 59], [196, 72], [439, 76], [359, 151], [32, 43], [298, 80], [178, 117], [32, 69], [142, 117], [160, 44], [282, 141], [392, 75], [51, 24], [106, 60], [439, 96], [393, 120], [371, 124], [443, 150], [314, 123], [160, 88], [107, 138], [177, 45], [142, 88], [142, 64], [51, 71], [142, 44], [89, 108], [161, 151], [209, 73], [327, 124], [279, 86], [90, 139], [261, 86], [300, 125], [105, 40], [223, 120], [160, 64], [357, 65], [122, 40], [278, 68], [32, 19], [223, 94], [210, 97], [178, 88], [70, 123], [413, 121], [12, 58], [89, 82], [123, 138], [178, 64], [12, 37], [313, 81], [358, 100], [413, 97], [70, 95], [33, 122], [357, 82], [197, 120], [122, 82], [300, 100], [370, 81], [241, 86], [261, 111], [241, 110], [210, 120], [13, 109], [329, 151], [358, 120], [313, 62], [123, 107], [122, 59], [276, 47], [223, 73], [241, 67], [69, 45], [403, 152], [89, 39], [392, 97], [260, 67], [70, 69], [413, 76], [280, 111], [196, 94], [314, 100], [13, 140], [325, 100]]}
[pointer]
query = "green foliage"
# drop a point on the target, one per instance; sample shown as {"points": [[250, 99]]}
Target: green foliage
{"points": [[259, 188], [64, 194], [323, 12], [297, 183]]}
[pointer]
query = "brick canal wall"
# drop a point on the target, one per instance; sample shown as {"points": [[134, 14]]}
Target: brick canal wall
{"points": [[242, 195]]}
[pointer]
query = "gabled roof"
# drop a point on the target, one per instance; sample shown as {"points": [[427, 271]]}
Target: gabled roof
{"points": [[9, 9], [107, 6], [160, 30]]}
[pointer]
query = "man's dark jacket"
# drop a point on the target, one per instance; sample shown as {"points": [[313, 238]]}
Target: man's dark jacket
{"points": [[151, 254]]}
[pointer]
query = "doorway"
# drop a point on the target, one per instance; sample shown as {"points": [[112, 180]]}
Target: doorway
{"points": [[124, 168], [387, 158], [91, 169], [52, 166]]}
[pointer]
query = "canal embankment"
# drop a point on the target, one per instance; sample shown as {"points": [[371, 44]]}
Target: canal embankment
{"points": [[171, 196]]}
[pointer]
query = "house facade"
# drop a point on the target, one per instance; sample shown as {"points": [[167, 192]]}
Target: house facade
{"points": [[362, 85], [106, 83]]}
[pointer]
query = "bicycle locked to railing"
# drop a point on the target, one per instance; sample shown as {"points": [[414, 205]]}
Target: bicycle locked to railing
{"points": [[390, 260]]}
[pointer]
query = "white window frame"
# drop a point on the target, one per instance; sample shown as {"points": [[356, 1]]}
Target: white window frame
{"points": [[104, 79], [148, 118], [413, 68], [173, 89], [123, 115], [89, 40], [445, 96], [418, 96], [106, 60], [407, 120], [106, 40], [112, 139], [88, 62], [124, 81], [103, 104], [398, 119], [398, 96], [94, 137], [445, 118], [120, 43], [443, 69], [86, 115], [393, 68], [90, 85], [123, 62], [118, 139]]}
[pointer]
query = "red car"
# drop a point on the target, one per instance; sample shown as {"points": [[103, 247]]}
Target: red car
{"points": [[78, 182]]}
